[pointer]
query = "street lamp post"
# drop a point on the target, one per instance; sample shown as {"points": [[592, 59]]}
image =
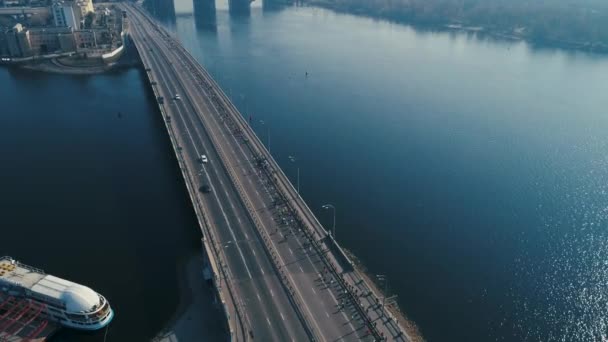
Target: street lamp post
{"points": [[329, 206], [293, 160], [383, 278], [267, 135]]}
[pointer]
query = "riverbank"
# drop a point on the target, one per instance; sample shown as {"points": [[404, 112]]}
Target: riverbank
{"points": [[57, 67], [195, 306], [523, 27], [85, 66]]}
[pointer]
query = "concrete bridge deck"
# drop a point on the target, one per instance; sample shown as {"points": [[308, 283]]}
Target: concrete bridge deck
{"points": [[277, 275]]}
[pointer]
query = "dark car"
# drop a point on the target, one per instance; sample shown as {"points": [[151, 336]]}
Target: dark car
{"points": [[205, 188]]}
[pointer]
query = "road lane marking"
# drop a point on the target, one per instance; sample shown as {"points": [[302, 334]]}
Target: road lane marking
{"points": [[297, 240], [183, 121], [290, 249]]}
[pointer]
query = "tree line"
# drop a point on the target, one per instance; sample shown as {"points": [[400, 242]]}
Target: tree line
{"points": [[568, 23]]}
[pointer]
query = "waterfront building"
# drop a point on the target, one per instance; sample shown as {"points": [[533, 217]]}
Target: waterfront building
{"points": [[67, 14], [85, 7], [67, 36]]}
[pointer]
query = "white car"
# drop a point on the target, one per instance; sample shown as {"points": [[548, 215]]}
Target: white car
{"points": [[204, 159], [177, 97]]}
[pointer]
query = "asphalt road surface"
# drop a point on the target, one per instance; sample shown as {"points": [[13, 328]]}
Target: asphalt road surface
{"points": [[286, 287]]}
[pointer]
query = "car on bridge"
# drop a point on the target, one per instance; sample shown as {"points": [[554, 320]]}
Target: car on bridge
{"points": [[205, 188], [177, 97], [204, 159]]}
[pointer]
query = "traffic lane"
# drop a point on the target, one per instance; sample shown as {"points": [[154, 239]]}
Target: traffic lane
{"points": [[261, 262], [285, 303], [251, 290], [324, 303], [295, 265], [340, 332], [281, 314], [189, 146], [162, 91]]}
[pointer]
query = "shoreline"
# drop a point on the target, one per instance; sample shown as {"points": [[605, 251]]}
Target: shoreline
{"points": [[497, 34], [52, 66], [195, 305], [69, 65]]}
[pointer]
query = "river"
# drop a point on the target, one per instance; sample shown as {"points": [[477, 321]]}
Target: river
{"points": [[471, 172]]}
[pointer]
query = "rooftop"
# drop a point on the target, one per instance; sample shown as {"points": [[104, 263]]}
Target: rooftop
{"points": [[77, 298], [15, 272]]}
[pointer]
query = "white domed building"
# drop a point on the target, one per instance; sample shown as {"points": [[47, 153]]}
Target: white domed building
{"points": [[69, 304]]}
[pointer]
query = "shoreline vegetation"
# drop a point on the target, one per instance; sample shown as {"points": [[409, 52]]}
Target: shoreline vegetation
{"points": [[566, 24]]}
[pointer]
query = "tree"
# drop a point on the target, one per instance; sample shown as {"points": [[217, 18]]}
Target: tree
{"points": [[88, 20]]}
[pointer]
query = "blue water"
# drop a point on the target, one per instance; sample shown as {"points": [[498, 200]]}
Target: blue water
{"points": [[96, 197], [472, 172]]}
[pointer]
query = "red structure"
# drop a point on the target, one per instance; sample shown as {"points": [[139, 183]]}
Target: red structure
{"points": [[20, 319]]}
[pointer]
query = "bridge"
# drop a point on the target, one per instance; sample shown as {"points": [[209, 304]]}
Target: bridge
{"points": [[279, 274]]}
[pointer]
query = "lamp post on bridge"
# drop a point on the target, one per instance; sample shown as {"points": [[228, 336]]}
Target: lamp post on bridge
{"points": [[329, 206], [293, 160], [384, 279], [267, 134]]}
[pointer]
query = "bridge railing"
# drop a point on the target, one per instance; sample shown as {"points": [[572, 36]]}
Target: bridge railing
{"points": [[298, 212], [300, 209], [205, 225], [284, 278]]}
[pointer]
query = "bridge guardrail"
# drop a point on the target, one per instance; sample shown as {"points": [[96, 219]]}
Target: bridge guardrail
{"points": [[306, 212], [301, 212], [202, 219], [271, 250]]}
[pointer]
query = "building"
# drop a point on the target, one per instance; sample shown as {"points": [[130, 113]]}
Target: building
{"points": [[85, 39], [21, 42], [67, 36], [67, 14], [85, 6], [71, 13], [15, 42]]}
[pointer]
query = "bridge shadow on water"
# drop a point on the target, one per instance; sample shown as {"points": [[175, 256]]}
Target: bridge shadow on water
{"points": [[163, 10], [205, 15]]}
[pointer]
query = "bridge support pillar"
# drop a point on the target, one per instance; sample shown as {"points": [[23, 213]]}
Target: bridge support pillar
{"points": [[239, 6]]}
